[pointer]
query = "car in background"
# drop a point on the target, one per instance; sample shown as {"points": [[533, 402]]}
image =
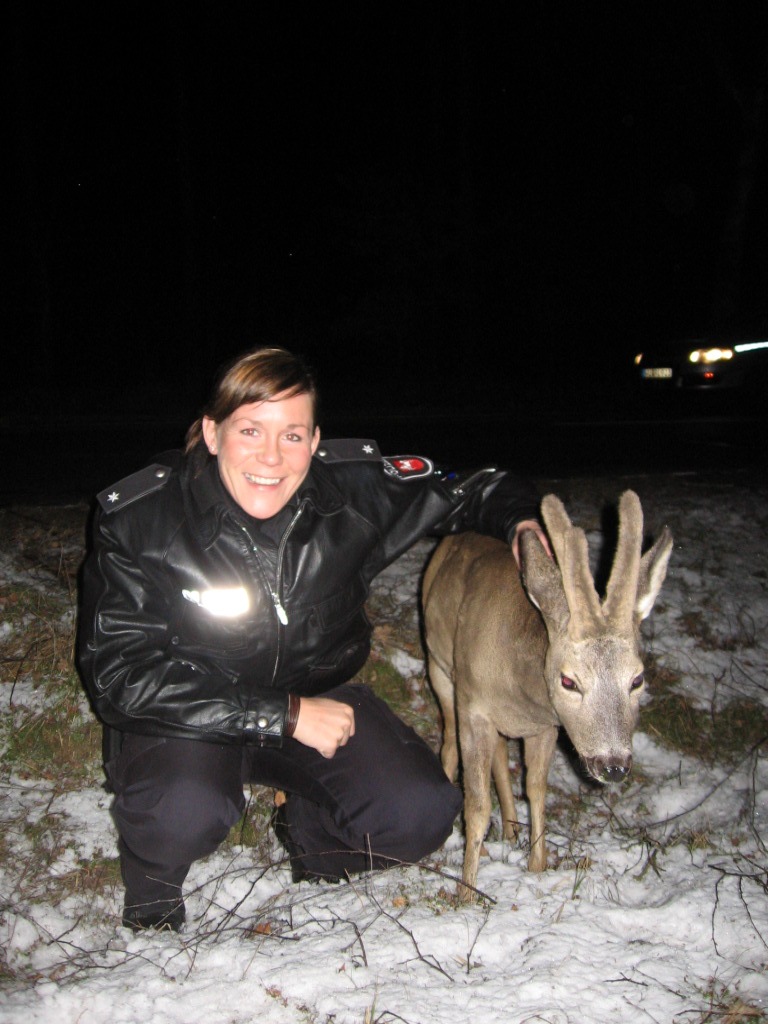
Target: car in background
{"points": [[711, 364]]}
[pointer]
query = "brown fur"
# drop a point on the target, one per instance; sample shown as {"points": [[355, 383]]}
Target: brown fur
{"points": [[497, 656]]}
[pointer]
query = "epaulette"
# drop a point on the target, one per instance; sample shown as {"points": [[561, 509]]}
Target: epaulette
{"points": [[352, 449], [133, 487]]}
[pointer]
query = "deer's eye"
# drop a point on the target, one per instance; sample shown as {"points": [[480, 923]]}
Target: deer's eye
{"points": [[567, 683], [637, 682]]}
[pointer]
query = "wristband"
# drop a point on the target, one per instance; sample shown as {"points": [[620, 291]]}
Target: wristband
{"points": [[292, 717]]}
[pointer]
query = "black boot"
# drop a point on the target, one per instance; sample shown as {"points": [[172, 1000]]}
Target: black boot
{"points": [[162, 917], [294, 851]]}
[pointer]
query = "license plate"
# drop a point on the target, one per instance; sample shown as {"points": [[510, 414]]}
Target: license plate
{"points": [[657, 373]]}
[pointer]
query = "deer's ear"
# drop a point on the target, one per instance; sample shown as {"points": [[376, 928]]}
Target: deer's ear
{"points": [[653, 569], [542, 581]]}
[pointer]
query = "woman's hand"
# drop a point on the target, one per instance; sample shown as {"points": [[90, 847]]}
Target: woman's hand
{"points": [[324, 724], [538, 529]]}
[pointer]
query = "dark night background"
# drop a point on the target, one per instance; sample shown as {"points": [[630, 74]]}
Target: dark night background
{"points": [[468, 218]]}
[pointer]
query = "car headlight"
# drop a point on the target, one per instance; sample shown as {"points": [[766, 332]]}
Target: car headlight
{"points": [[710, 355], [750, 346]]}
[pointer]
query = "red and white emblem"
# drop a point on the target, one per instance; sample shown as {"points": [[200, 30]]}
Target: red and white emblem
{"points": [[408, 467]]}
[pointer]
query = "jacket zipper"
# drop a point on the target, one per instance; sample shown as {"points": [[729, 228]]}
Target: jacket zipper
{"points": [[281, 612], [274, 592]]}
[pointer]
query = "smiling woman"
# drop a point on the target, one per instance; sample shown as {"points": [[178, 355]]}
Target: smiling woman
{"points": [[223, 616], [264, 450]]}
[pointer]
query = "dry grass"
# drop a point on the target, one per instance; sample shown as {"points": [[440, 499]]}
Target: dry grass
{"points": [[411, 700], [38, 599], [60, 744], [54, 737], [723, 734], [725, 1008], [252, 830], [39, 645]]}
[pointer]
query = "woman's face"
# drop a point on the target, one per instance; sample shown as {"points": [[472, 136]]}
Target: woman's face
{"points": [[264, 450]]}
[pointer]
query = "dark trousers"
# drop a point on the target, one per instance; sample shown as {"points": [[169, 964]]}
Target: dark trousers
{"points": [[382, 799]]}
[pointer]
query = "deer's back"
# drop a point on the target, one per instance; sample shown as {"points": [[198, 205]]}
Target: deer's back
{"points": [[485, 633]]}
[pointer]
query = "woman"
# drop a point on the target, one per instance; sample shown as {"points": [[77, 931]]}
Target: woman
{"points": [[222, 619]]}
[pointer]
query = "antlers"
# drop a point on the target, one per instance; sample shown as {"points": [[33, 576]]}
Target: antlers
{"points": [[634, 581]]}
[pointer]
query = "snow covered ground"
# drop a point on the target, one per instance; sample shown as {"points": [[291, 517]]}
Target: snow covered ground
{"points": [[654, 909]]}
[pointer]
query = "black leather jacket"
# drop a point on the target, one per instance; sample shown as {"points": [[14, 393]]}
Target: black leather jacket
{"points": [[197, 621]]}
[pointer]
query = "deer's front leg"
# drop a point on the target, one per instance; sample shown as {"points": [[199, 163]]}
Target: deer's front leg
{"points": [[478, 738], [538, 757]]}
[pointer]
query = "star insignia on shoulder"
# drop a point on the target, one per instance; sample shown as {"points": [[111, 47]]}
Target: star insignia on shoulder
{"points": [[368, 449], [113, 497]]}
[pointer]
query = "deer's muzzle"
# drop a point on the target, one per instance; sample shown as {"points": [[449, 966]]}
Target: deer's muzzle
{"points": [[609, 769]]}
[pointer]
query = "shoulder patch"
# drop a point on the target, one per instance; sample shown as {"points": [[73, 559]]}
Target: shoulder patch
{"points": [[408, 467], [354, 449], [133, 487]]}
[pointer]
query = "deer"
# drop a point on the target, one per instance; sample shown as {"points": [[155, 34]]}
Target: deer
{"points": [[518, 654]]}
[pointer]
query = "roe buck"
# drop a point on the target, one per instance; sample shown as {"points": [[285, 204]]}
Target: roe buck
{"points": [[506, 666]]}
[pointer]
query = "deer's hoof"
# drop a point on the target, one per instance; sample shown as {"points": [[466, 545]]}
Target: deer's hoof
{"points": [[466, 893]]}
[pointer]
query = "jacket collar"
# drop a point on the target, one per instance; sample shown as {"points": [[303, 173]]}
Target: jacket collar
{"points": [[203, 495], [206, 501], [319, 490]]}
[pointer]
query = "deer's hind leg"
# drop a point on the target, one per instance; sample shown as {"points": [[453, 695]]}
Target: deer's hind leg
{"points": [[501, 777], [442, 684], [478, 744]]}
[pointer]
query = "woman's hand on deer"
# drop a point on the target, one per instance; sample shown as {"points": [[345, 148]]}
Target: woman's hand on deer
{"points": [[538, 529]]}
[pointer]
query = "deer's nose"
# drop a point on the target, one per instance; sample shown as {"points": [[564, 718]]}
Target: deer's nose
{"points": [[610, 769]]}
